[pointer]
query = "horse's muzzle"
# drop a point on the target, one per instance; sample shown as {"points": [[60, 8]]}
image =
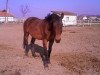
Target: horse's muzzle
{"points": [[57, 41]]}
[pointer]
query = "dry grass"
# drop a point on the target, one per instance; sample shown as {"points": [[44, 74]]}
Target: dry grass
{"points": [[4, 47], [77, 54], [79, 63], [6, 72]]}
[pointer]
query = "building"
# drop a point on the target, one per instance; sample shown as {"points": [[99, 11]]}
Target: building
{"points": [[89, 17], [6, 17], [69, 18]]}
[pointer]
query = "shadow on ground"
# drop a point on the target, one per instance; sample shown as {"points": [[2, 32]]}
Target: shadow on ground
{"points": [[35, 48]]}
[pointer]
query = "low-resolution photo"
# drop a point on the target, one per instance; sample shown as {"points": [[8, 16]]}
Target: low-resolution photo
{"points": [[49, 37]]}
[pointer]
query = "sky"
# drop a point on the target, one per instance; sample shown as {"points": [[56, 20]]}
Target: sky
{"points": [[40, 8]]}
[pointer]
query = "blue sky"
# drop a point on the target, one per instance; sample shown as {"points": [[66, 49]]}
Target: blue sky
{"points": [[40, 8]]}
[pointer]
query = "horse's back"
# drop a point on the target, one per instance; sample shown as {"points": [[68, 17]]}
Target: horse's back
{"points": [[29, 20]]}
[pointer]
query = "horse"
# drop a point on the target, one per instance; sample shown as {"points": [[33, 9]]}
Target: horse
{"points": [[48, 30]]}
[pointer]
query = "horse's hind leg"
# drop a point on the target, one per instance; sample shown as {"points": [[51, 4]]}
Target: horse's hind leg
{"points": [[25, 43], [32, 47], [32, 40]]}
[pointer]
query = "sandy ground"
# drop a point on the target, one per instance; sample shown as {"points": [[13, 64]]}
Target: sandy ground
{"points": [[77, 54]]}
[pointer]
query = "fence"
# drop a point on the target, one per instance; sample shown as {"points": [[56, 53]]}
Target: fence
{"points": [[87, 22]]}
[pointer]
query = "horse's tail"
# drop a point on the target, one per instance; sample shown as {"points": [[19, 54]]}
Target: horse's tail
{"points": [[25, 32], [24, 45], [24, 36]]}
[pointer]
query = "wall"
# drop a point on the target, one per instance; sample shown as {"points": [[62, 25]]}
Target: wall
{"points": [[69, 20], [10, 19]]}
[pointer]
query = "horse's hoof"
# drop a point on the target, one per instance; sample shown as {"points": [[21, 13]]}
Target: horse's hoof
{"points": [[48, 61], [46, 66], [26, 54]]}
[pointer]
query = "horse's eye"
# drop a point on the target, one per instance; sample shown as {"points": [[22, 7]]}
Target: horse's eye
{"points": [[61, 30]]}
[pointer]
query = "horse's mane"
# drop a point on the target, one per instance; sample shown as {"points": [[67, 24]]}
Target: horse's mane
{"points": [[48, 17], [51, 17]]}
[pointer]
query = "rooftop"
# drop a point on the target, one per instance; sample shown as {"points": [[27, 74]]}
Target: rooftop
{"points": [[4, 13], [65, 12]]}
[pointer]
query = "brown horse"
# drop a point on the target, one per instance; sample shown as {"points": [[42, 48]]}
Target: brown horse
{"points": [[47, 30]]}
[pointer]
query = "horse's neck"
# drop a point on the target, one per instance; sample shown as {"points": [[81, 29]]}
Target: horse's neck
{"points": [[48, 25]]}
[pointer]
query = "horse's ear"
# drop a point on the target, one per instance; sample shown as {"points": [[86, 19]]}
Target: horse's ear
{"points": [[62, 15]]}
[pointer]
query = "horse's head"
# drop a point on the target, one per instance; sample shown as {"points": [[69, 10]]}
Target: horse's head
{"points": [[57, 26]]}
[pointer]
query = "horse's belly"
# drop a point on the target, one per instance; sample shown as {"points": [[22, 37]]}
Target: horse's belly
{"points": [[39, 37], [37, 30], [36, 35]]}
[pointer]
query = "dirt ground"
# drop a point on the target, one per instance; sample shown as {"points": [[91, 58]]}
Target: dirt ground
{"points": [[77, 54]]}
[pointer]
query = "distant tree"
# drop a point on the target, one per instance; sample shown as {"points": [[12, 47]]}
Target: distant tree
{"points": [[7, 5], [6, 18], [24, 10]]}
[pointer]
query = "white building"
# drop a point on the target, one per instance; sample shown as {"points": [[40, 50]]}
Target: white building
{"points": [[69, 18], [6, 17]]}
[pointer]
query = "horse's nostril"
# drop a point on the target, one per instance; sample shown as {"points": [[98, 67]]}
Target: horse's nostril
{"points": [[57, 41]]}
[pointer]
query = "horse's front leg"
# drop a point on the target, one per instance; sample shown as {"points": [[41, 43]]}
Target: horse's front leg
{"points": [[50, 49], [45, 53]]}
